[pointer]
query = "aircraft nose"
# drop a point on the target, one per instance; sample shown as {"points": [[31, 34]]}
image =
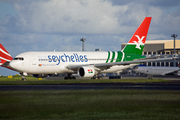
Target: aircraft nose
{"points": [[14, 65]]}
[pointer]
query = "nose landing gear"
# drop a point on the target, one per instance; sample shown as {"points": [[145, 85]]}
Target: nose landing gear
{"points": [[97, 77], [23, 76]]}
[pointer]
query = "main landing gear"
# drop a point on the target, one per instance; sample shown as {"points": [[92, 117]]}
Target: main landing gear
{"points": [[150, 77], [97, 77], [69, 76]]}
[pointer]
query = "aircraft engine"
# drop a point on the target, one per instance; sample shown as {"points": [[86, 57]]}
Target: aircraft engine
{"points": [[40, 75], [87, 71]]}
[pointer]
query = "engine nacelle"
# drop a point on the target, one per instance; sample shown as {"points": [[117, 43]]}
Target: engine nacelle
{"points": [[87, 71], [40, 75]]}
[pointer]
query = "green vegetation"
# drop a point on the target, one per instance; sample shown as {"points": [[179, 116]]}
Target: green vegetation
{"points": [[90, 104], [16, 80]]}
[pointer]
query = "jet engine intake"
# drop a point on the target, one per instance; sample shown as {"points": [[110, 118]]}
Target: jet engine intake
{"points": [[86, 71]]}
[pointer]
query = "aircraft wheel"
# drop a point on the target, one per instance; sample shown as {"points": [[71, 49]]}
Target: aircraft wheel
{"points": [[66, 78], [99, 77]]}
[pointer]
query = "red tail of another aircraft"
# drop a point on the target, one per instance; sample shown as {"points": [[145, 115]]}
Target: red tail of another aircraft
{"points": [[4, 55]]}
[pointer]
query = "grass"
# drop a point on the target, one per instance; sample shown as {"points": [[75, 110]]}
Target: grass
{"points": [[16, 80], [87, 104], [90, 105]]}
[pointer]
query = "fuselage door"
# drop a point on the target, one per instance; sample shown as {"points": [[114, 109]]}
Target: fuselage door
{"points": [[34, 61]]}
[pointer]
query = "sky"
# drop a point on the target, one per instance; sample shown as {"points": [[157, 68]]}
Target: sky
{"points": [[48, 25]]}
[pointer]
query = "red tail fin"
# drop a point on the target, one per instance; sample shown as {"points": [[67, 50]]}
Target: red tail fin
{"points": [[4, 55], [136, 43], [141, 32]]}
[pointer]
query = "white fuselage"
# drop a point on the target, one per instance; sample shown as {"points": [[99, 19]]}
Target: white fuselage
{"points": [[155, 70], [57, 62]]}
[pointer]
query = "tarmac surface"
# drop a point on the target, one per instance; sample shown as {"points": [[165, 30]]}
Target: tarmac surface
{"points": [[175, 85], [167, 77]]}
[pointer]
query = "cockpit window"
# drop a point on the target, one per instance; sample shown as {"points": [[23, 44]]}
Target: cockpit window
{"points": [[18, 58]]}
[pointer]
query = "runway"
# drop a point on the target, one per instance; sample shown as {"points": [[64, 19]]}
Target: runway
{"points": [[94, 86]]}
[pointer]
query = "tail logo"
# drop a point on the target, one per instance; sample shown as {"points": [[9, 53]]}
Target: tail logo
{"points": [[139, 41]]}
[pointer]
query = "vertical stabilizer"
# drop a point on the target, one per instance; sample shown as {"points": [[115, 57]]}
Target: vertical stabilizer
{"points": [[137, 41], [4, 55]]}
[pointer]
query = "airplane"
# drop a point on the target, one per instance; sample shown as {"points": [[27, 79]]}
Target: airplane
{"points": [[85, 64], [154, 70]]}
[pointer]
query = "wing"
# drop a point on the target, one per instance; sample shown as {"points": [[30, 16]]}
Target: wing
{"points": [[105, 66]]}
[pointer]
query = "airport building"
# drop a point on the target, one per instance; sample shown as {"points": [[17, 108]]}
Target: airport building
{"points": [[160, 47]]}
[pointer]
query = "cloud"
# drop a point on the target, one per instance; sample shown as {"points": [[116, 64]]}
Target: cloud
{"points": [[59, 24], [83, 16], [47, 25], [68, 16]]}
